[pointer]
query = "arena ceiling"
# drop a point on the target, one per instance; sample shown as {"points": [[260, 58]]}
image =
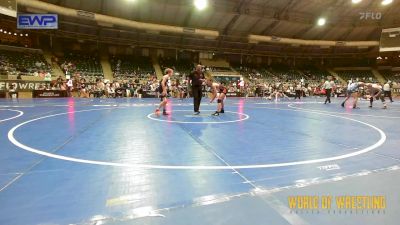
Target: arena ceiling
{"points": [[235, 19]]}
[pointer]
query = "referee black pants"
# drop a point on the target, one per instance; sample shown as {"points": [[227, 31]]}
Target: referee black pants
{"points": [[298, 94], [197, 94], [328, 95], [388, 94]]}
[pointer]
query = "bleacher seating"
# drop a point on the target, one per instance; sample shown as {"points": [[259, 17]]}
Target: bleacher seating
{"points": [[247, 71], [181, 66], [226, 79], [131, 66], [88, 65], [316, 74], [255, 74], [26, 63], [391, 75], [285, 73], [220, 69], [361, 75]]}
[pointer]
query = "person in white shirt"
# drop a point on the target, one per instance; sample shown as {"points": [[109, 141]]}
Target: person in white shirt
{"points": [[333, 91], [278, 93], [38, 64], [12, 91], [47, 77], [241, 85], [387, 90], [69, 87], [328, 89]]}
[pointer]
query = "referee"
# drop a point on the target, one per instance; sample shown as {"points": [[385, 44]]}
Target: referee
{"points": [[387, 90], [197, 78], [328, 85]]}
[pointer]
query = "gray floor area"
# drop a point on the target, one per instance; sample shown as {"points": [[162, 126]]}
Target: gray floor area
{"points": [[272, 208]]}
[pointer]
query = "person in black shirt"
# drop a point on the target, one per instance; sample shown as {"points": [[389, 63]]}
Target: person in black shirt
{"points": [[83, 92], [197, 78]]}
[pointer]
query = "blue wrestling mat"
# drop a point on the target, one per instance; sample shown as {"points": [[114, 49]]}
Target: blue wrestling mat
{"points": [[113, 161]]}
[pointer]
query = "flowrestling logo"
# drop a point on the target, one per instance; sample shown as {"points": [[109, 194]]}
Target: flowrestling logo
{"points": [[37, 21], [370, 15]]}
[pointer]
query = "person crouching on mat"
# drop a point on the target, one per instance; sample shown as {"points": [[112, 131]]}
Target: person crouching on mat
{"points": [[213, 88], [220, 93], [375, 91], [352, 91], [278, 93], [215, 92], [163, 92]]}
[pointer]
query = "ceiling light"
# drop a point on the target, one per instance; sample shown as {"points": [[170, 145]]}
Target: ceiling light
{"points": [[386, 2], [200, 4], [356, 1], [321, 21]]}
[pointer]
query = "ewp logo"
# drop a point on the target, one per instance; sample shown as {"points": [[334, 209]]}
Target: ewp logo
{"points": [[37, 21]]}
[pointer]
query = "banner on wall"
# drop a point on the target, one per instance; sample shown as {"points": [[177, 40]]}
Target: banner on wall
{"points": [[234, 94], [48, 94], [21, 85], [396, 91], [37, 21]]}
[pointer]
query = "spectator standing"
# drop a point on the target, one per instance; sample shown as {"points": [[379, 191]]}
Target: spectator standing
{"points": [[69, 87]]}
